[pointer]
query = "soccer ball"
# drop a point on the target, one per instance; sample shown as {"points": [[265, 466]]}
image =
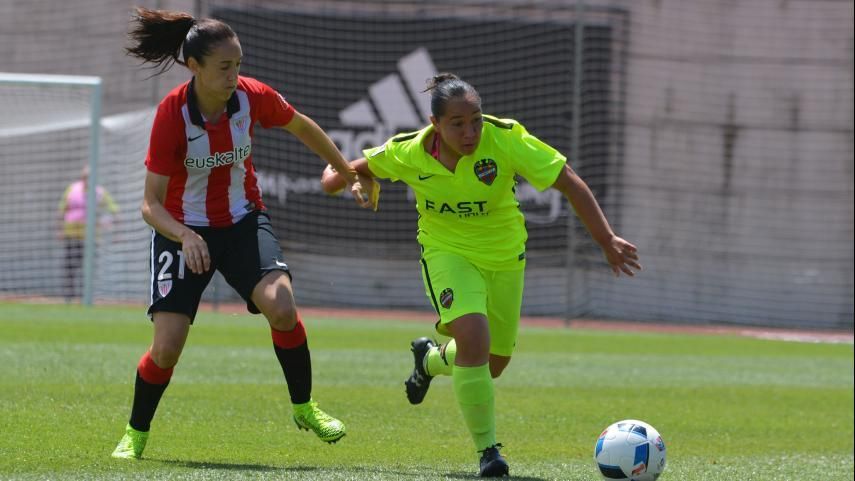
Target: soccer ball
{"points": [[630, 450]]}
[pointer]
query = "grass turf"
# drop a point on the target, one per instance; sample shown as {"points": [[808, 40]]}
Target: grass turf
{"points": [[729, 408]]}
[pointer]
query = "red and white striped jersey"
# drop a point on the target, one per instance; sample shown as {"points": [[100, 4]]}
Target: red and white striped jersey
{"points": [[211, 178]]}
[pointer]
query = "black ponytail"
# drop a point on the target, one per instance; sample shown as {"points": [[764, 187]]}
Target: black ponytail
{"points": [[164, 37]]}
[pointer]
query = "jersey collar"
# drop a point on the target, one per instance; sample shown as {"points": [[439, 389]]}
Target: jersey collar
{"points": [[232, 106], [426, 162]]}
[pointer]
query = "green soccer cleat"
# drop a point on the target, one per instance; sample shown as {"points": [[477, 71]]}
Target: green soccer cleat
{"points": [[131, 445], [309, 416]]}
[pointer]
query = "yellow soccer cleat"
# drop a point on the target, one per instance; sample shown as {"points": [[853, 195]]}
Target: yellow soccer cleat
{"points": [[131, 445], [309, 416]]}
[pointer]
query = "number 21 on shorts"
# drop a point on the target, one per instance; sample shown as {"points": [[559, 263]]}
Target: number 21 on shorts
{"points": [[164, 276]]}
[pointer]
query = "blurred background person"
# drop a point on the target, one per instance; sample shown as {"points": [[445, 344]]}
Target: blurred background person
{"points": [[72, 213]]}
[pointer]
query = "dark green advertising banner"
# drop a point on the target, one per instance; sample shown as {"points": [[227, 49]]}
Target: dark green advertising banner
{"points": [[361, 79]]}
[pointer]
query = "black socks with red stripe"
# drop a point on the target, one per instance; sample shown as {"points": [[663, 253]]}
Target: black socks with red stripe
{"points": [[292, 350], [149, 387]]}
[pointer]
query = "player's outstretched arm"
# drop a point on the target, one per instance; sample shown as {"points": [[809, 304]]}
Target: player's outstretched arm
{"points": [[314, 137], [620, 254], [332, 182]]}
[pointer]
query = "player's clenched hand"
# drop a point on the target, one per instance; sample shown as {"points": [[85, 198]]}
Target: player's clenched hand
{"points": [[331, 182], [195, 252], [372, 189], [621, 256], [359, 194], [366, 191]]}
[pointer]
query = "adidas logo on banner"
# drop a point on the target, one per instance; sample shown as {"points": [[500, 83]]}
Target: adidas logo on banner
{"points": [[395, 103]]}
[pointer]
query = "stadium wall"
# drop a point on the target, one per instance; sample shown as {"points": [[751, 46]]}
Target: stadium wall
{"points": [[735, 173]]}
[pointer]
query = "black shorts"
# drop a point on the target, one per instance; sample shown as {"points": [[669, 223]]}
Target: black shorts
{"points": [[243, 253]]}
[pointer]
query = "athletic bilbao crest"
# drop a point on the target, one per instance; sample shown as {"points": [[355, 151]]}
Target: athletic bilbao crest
{"points": [[446, 297], [486, 170], [240, 124], [163, 287]]}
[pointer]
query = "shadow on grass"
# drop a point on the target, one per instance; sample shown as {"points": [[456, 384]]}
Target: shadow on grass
{"points": [[473, 475], [231, 466], [310, 469], [438, 474]]}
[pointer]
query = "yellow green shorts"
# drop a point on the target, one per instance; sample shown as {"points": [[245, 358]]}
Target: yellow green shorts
{"points": [[457, 287]]}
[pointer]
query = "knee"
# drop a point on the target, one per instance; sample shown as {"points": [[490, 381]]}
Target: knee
{"points": [[282, 318], [165, 355], [496, 371], [472, 351], [472, 334]]}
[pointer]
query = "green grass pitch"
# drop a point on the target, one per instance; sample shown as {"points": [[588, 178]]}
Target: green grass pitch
{"points": [[729, 408]]}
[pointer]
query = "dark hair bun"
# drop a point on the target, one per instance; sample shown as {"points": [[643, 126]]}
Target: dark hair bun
{"points": [[437, 79]]}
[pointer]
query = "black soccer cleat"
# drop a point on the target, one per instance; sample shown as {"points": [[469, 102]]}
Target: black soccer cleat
{"points": [[419, 381], [493, 465]]}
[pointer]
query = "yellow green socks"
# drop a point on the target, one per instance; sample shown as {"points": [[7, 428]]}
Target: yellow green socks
{"points": [[440, 359], [473, 387]]}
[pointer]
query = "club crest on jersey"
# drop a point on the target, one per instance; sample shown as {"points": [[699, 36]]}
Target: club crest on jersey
{"points": [[240, 124], [163, 287], [446, 297], [486, 170]]}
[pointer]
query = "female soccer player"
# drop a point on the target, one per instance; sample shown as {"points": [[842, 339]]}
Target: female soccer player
{"points": [[472, 233], [203, 202]]}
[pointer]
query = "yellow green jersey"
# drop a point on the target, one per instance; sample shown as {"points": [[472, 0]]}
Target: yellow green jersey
{"points": [[472, 211]]}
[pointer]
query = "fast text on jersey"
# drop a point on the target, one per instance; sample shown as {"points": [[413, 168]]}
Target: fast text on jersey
{"points": [[460, 209]]}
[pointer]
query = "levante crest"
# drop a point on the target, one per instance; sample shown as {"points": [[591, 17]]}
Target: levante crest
{"points": [[486, 170], [446, 297]]}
